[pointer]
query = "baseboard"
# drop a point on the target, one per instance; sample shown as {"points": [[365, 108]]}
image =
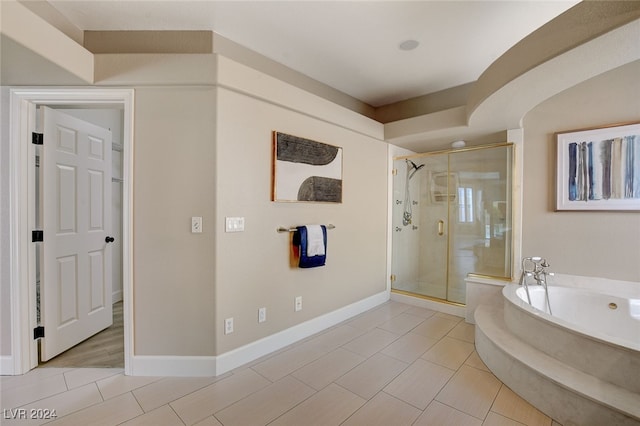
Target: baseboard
{"points": [[176, 366], [6, 365], [116, 296], [240, 356], [144, 365]]}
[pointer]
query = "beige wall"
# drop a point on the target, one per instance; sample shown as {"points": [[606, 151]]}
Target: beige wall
{"points": [[600, 244], [253, 267], [174, 165], [202, 150], [207, 152]]}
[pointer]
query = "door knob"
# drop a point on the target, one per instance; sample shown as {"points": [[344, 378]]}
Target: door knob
{"points": [[109, 240]]}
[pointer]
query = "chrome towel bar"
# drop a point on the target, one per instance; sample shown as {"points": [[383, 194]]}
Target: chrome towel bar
{"points": [[294, 229]]}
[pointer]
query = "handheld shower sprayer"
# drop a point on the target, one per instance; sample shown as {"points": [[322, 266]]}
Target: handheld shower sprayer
{"points": [[407, 215]]}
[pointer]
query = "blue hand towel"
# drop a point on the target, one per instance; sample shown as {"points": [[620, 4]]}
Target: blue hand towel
{"points": [[301, 239]]}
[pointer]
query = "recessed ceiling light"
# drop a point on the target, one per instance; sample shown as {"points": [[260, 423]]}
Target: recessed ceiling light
{"points": [[408, 44]]}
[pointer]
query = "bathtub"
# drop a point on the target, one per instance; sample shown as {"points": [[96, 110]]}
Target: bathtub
{"points": [[591, 331], [580, 365]]}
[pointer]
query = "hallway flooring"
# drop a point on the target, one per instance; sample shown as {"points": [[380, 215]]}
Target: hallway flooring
{"points": [[105, 349], [393, 365]]}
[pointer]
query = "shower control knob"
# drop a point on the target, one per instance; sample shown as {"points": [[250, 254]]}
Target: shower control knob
{"points": [[109, 240]]}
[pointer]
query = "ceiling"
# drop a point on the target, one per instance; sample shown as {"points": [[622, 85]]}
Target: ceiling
{"points": [[352, 46]]}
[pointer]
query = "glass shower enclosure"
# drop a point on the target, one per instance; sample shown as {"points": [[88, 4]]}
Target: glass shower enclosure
{"points": [[452, 216]]}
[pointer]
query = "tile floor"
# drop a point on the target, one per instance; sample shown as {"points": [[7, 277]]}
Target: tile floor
{"points": [[393, 365]]}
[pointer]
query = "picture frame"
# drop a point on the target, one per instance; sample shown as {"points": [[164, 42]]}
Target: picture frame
{"points": [[599, 168], [305, 170]]}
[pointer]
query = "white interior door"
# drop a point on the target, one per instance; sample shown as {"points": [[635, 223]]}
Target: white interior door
{"points": [[75, 166]]}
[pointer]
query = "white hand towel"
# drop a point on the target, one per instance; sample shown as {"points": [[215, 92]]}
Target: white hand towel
{"points": [[315, 241]]}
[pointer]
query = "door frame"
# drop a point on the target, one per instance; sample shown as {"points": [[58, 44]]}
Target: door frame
{"points": [[23, 103]]}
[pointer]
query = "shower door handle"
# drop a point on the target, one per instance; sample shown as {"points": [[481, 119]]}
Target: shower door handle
{"points": [[441, 227]]}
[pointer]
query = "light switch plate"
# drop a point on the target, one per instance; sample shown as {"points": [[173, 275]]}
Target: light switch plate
{"points": [[234, 224], [196, 225]]}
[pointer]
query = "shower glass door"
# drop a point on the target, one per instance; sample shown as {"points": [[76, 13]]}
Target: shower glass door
{"points": [[451, 217], [479, 216], [419, 261]]}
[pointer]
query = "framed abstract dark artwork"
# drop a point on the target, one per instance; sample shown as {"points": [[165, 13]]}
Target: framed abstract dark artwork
{"points": [[305, 170], [599, 169]]}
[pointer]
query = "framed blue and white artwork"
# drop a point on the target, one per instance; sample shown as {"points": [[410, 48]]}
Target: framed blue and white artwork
{"points": [[305, 170], [599, 169]]}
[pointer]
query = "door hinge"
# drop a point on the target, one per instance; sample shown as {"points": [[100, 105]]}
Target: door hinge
{"points": [[37, 138], [37, 236], [394, 172], [392, 277], [38, 332]]}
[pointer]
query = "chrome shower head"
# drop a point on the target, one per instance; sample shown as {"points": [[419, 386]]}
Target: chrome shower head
{"points": [[415, 167]]}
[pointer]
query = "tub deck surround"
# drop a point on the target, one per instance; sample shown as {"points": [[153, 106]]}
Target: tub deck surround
{"points": [[562, 392], [573, 374], [608, 358], [628, 289], [482, 291]]}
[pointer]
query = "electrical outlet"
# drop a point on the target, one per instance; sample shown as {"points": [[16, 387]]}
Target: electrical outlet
{"points": [[228, 326], [262, 314], [298, 305]]}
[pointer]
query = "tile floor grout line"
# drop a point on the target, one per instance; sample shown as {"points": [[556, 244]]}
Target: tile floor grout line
{"points": [[66, 383], [262, 375], [244, 397], [48, 396], [301, 402], [178, 415], [459, 411], [84, 407], [138, 402], [196, 390], [506, 416]]}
